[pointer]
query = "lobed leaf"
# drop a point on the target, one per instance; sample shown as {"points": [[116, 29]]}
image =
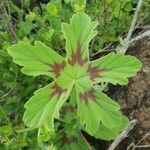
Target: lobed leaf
{"points": [[38, 59], [114, 68], [98, 114], [78, 34], [45, 134], [71, 139], [110, 134], [44, 106], [95, 107]]}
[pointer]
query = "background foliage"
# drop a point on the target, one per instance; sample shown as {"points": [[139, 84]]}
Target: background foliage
{"points": [[40, 20]]}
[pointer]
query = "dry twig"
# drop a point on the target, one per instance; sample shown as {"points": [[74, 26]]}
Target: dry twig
{"points": [[123, 135], [105, 49], [143, 146], [5, 95], [134, 21], [137, 38], [134, 146], [128, 40]]}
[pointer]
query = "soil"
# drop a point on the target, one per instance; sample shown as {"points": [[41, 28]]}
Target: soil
{"points": [[134, 99]]}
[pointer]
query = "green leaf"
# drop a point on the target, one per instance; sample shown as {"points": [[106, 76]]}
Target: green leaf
{"points": [[115, 68], [95, 107], [6, 130], [110, 134], [79, 8], [69, 136], [96, 113], [78, 34], [71, 140], [68, 113], [45, 134], [51, 147], [128, 7], [44, 106], [37, 60], [52, 9], [31, 17], [79, 5], [117, 9]]}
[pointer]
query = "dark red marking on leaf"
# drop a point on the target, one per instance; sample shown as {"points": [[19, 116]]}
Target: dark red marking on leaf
{"points": [[68, 139], [57, 90], [66, 109], [88, 95], [57, 68], [77, 58], [94, 72]]}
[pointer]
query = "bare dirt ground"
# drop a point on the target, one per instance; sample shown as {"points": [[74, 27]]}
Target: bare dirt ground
{"points": [[134, 99]]}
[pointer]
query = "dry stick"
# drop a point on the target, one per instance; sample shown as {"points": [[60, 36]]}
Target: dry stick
{"points": [[143, 146], [135, 17], [92, 44], [131, 145], [137, 38], [89, 146], [102, 50], [143, 138], [130, 43], [123, 135], [105, 49], [2, 98], [124, 48], [134, 146], [128, 38]]}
